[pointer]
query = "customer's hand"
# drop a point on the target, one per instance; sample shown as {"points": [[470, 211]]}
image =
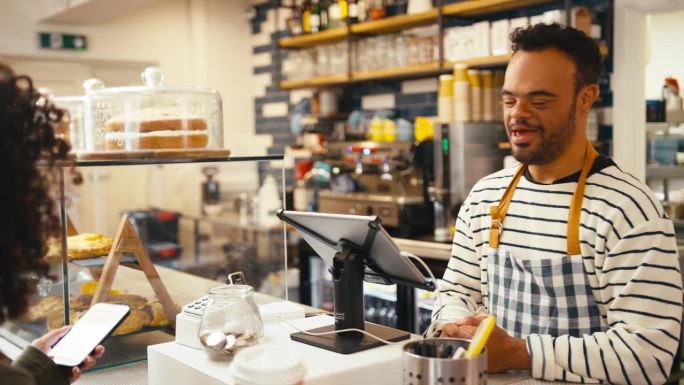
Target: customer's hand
{"points": [[503, 351], [45, 343]]}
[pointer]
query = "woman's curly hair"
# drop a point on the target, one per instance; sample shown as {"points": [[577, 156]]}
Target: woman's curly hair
{"points": [[29, 151]]}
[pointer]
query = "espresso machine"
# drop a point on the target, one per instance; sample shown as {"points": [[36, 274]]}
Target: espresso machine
{"points": [[464, 154], [383, 179]]}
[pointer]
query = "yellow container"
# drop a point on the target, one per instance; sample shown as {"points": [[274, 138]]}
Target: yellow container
{"points": [[487, 79], [474, 78], [389, 130], [499, 77], [460, 73], [375, 129], [446, 86], [424, 129]]}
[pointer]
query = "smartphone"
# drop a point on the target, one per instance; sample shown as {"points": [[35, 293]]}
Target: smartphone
{"points": [[90, 330]]}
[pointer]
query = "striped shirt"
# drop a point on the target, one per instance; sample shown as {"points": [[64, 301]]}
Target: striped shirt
{"points": [[629, 254]]}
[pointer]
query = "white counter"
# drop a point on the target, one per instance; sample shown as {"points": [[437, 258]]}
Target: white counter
{"points": [[171, 363]]}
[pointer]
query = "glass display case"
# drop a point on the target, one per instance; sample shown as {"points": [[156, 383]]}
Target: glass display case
{"points": [[70, 128], [152, 117], [154, 204]]}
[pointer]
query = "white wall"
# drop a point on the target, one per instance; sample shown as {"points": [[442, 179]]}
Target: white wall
{"points": [[196, 42], [156, 33], [666, 51]]}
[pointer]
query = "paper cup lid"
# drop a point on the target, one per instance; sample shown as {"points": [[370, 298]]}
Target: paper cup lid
{"points": [[267, 365]]}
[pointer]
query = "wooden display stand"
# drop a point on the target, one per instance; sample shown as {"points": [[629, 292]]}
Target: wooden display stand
{"points": [[71, 229], [127, 240]]}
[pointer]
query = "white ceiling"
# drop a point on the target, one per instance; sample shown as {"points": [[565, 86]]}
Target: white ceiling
{"points": [[90, 11]]}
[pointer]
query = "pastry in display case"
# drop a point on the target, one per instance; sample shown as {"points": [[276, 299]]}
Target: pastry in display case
{"points": [[153, 121], [80, 246], [145, 314]]}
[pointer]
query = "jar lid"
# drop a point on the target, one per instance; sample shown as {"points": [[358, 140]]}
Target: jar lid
{"points": [[153, 83], [231, 289], [267, 364]]}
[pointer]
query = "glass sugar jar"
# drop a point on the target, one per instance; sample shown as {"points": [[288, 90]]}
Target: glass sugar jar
{"points": [[231, 320]]}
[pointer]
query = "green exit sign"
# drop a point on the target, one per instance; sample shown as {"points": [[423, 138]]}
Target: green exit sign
{"points": [[62, 41]]}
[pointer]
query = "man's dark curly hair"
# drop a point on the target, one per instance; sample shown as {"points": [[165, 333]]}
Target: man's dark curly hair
{"points": [[579, 47], [28, 155]]}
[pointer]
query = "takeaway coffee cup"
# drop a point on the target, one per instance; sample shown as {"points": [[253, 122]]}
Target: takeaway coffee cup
{"points": [[267, 364]]}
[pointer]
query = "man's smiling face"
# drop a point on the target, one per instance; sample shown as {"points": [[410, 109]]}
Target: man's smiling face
{"points": [[539, 102]]}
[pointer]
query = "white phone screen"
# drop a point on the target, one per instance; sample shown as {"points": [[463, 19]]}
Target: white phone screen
{"points": [[87, 333]]}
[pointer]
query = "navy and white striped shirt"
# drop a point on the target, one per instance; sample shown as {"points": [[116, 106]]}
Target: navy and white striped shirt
{"points": [[629, 254]]}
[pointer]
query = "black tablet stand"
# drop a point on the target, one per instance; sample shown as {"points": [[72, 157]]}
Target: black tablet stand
{"points": [[351, 264]]}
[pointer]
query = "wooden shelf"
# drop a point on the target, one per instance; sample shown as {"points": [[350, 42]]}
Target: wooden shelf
{"points": [[395, 23], [396, 73], [487, 61], [320, 81], [325, 37], [483, 7], [664, 172]]}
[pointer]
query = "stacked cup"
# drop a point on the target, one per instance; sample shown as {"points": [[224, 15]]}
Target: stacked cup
{"points": [[445, 99], [461, 94], [475, 95], [488, 94]]}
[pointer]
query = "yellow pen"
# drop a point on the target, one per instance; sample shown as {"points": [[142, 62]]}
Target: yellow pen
{"points": [[480, 338]]}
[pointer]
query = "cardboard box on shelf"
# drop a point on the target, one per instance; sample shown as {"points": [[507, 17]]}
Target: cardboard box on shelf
{"points": [[499, 37], [481, 39]]}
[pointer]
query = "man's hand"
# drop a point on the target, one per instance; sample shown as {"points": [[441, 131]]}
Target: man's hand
{"points": [[45, 343], [503, 351]]}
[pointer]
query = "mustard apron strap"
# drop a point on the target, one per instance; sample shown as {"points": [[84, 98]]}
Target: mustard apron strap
{"points": [[576, 204], [498, 212]]}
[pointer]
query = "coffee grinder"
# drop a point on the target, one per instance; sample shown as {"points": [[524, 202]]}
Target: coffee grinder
{"points": [[211, 192]]}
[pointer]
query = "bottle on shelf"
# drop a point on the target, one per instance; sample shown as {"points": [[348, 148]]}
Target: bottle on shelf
{"points": [[306, 17], [344, 11], [294, 22], [315, 18], [335, 14], [362, 7], [376, 11], [325, 16], [353, 12]]}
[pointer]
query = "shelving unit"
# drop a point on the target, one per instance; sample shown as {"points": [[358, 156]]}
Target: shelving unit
{"points": [[403, 22], [402, 73], [665, 173], [464, 9]]}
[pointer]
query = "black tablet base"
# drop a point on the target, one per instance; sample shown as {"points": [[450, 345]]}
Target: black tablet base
{"points": [[350, 342]]}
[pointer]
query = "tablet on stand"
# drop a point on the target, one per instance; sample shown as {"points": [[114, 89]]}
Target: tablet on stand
{"points": [[354, 248]]}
